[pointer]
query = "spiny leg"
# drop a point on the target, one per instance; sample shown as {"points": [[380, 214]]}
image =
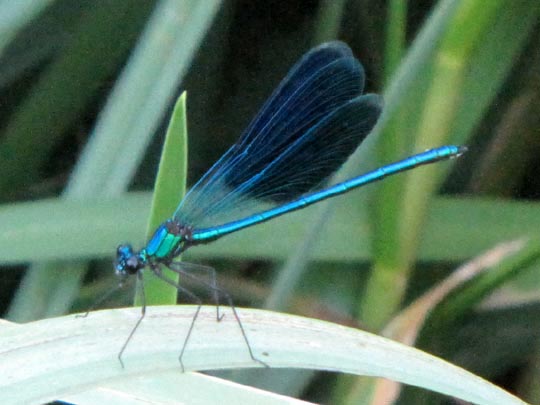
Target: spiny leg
{"points": [[192, 268], [97, 303], [177, 267], [143, 313], [157, 271]]}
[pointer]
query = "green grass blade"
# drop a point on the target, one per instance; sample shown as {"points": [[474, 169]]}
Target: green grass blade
{"points": [[64, 90], [32, 370], [395, 37], [168, 191], [441, 97], [345, 240], [130, 117], [176, 388], [73, 80], [141, 97], [328, 20], [16, 14], [469, 295]]}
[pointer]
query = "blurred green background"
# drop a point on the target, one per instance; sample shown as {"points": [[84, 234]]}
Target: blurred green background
{"points": [[87, 89]]}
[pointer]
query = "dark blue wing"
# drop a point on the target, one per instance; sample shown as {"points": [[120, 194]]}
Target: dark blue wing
{"points": [[307, 129]]}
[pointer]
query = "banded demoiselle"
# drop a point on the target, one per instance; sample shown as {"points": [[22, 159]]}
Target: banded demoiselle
{"points": [[306, 130]]}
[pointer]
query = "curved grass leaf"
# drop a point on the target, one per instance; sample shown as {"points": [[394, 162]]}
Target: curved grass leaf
{"points": [[52, 358]]}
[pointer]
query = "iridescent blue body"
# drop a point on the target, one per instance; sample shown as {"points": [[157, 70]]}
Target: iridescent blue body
{"points": [[172, 237], [306, 130]]}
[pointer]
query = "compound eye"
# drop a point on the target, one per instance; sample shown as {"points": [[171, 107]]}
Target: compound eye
{"points": [[133, 264], [124, 251]]}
